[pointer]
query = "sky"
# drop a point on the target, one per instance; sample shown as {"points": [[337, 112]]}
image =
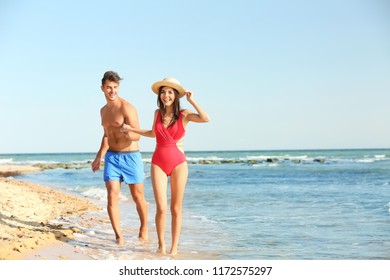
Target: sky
{"points": [[271, 74]]}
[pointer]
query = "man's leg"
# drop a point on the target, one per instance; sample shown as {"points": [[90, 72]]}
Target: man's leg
{"points": [[137, 192], [113, 190]]}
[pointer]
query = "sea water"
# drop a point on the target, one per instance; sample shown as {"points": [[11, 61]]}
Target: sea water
{"points": [[309, 204]]}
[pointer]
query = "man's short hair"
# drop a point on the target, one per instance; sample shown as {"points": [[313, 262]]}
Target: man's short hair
{"points": [[111, 76]]}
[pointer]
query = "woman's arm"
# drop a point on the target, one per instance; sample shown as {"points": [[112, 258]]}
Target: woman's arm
{"points": [[201, 115], [144, 132]]}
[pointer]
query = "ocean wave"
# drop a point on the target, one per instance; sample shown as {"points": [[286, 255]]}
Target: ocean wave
{"points": [[6, 160], [248, 161], [212, 158], [277, 159], [366, 160], [96, 193], [253, 160], [202, 218], [380, 156], [72, 165]]}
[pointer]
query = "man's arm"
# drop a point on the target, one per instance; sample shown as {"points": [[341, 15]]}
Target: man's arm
{"points": [[101, 153]]}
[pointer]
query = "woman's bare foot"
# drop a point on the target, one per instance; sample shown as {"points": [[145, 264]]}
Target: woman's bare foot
{"points": [[120, 240], [143, 234], [161, 250], [173, 252]]}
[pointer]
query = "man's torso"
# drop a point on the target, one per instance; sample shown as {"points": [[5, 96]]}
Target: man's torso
{"points": [[113, 118]]}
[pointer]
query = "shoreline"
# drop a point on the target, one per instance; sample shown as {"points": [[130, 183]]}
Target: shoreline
{"points": [[15, 170], [27, 209]]}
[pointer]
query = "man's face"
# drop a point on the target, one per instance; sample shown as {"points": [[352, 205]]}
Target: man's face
{"points": [[110, 90]]}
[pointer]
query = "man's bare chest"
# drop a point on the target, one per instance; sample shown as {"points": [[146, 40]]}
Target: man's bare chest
{"points": [[112, 118]]}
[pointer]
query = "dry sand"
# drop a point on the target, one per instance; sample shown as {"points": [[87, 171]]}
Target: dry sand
{"points": [[26, 211]]}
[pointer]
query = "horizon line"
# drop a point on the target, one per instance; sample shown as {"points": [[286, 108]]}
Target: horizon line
{"points": [[205, 151]]}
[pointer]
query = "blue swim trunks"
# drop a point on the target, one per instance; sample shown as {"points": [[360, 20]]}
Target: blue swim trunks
{"points": [[123, 167]]}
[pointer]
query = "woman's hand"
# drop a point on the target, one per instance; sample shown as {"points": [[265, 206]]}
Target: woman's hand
{"points": [[125, 128], [189, 96]]}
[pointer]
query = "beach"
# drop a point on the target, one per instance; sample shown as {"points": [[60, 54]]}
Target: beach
{"points": [[239, 205], [27, 209]]}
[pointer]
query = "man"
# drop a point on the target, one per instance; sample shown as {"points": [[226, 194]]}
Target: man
{"points": [[122, 159]]}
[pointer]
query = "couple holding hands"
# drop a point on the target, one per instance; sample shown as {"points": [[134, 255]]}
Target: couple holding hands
{"points": [[123, 162]]}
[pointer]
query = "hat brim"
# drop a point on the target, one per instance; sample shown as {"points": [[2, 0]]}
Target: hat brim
{"points": [[157, 85]]}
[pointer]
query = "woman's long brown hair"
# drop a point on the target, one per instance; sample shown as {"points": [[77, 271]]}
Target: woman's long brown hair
{"points": [[176, 107]]}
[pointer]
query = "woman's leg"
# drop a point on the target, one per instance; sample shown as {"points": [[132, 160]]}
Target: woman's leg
{"points": [[159, 182], [178, 183]]}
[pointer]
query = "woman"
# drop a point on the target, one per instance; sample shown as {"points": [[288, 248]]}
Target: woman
{"points": [[169, 158]]}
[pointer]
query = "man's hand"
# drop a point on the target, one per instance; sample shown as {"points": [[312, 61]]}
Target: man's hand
{"points": [[96, 164]]}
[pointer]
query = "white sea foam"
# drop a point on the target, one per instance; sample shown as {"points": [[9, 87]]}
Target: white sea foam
{"points": [[79, 161], [259, 158], [79, 235], [365, 160], [202, 218], [61, 221], [54, 221], [32, 162], [6, 160], [197, 159], [380, 156], [98, 193], [297, 157]]}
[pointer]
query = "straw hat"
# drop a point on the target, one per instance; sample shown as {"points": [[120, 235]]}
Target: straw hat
{"points": [[169, 82]]}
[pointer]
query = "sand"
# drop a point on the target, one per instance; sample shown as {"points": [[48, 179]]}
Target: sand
{"points": [[26, 230]]}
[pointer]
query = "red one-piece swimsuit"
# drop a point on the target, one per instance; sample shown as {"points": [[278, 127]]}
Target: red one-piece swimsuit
{"points": [[167, 155]]}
